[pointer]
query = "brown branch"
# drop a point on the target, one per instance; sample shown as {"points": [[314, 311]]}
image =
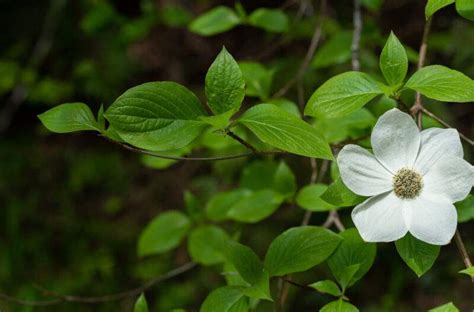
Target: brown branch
{"points": [[309, 55], [463, 252], [157, 155], [417, 110], [100, 299], [291, 282], [418, 106], [355, 47], [241, 141], [41, 49], [445, 124]]}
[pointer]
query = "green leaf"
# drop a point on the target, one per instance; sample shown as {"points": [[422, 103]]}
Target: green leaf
{"points": [[284, 181], [258, 79], [287, 105], [265, 174], [163, 233], [339, 195], [157, 116], [353, 251], [269, 174], [309, 198], [336, 51], [299, 249], [141, 304], [271, 20], [219, 122], [372, 5], [339, 306], [215, 21], [418, 255], [207, 243], [342, 95], [432, 6], [255, 206], [465, 8], [448, 307], [101, 118], [354, 126], [69, 117], [250, 268], [224, 84], [443, 84], [222, 299], [245, 261], [469, 271], [219, 205], [393, 61], [283, 130], [465, 209], [327, 287]]}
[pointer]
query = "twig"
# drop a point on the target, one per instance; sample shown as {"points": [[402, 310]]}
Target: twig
{"points": [[462, 250], [418, 106], [241, 141], [40, 51], [355, 47], [333, 218], [417, 110], [291, 282], [312, 180], [100, 299], [309, 55], [157, 155], [445, 124]]}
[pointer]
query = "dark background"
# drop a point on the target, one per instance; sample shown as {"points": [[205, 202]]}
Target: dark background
{"points": [[72, 206]]}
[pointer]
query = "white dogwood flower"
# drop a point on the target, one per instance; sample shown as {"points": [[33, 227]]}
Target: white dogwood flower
{"points": [[413, 179]]}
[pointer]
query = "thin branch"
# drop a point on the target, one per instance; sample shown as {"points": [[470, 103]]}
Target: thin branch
{"points": [[241, 141], [100, 299], [355, 47], [40, 51], [333, 218], [418, 106], [445, 124], [291, 282], [157, 155], [462, 250], [417, 110], [312, 180], [309, 55]]}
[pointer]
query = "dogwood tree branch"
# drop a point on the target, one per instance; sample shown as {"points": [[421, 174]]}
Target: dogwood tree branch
{"points": [[463, 251], [40, 51], [417, 110], [241, 141], [217, 158], [59, 298], [418, 106], [355, 47], [445, 124], [309, 54]]}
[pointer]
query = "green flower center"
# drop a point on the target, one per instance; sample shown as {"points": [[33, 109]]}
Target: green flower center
{"points": [[407, 183]]}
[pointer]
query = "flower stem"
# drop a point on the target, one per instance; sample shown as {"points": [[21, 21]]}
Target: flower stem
{"points": [[463, 251]]}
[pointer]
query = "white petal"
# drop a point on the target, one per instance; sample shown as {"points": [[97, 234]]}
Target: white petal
{"points": [[362, 173], [381, 218], [396, 140], [433, 220], [436, 143], [450, 177]]}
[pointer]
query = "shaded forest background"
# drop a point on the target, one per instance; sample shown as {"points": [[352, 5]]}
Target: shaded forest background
{"points": [[72, 206]]}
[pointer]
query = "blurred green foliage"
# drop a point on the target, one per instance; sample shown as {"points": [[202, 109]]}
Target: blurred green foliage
{"points": [[73, 207]]}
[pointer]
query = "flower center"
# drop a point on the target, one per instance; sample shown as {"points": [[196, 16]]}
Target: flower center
{"points": [[407, 183]]}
